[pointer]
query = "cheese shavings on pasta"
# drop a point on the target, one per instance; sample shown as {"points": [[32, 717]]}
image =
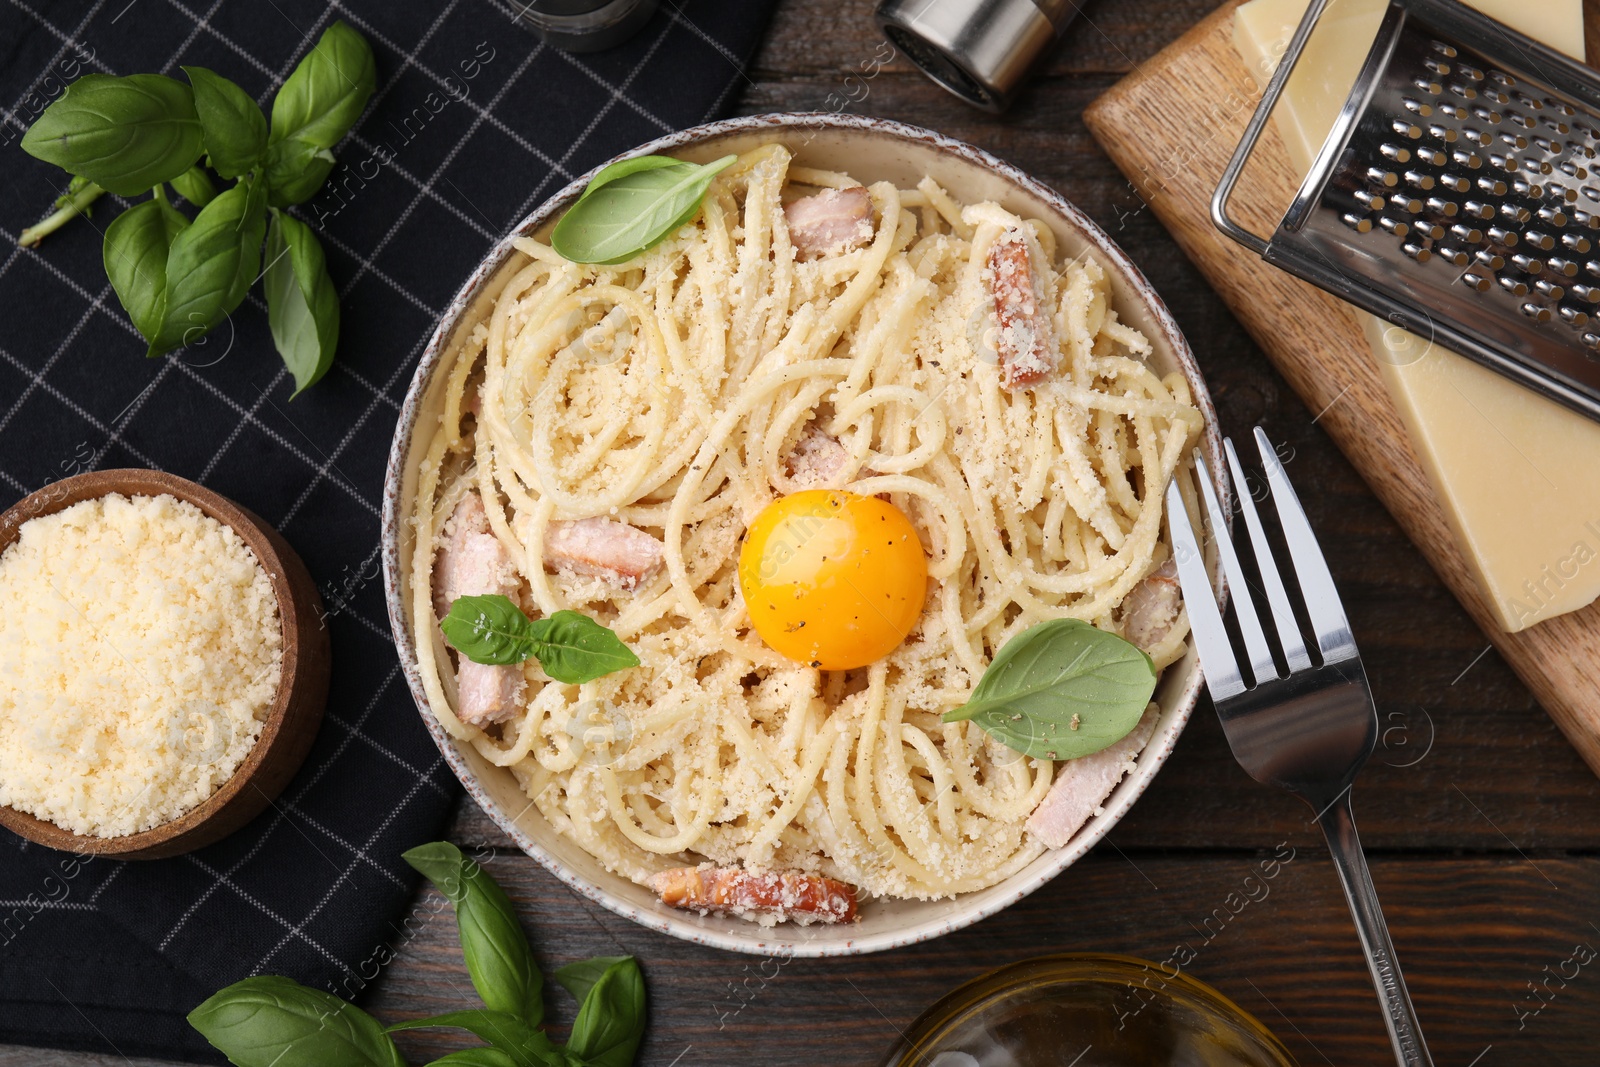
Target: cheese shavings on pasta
{"points": [[671, 395]]}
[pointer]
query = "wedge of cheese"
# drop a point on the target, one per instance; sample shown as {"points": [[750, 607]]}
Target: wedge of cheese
{"points": [[1518, 475]]}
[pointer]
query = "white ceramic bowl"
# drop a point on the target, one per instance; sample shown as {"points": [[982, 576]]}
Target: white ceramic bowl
{"points": [[870, 150]]}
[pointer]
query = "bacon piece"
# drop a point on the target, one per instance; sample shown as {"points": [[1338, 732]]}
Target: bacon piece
{"points": [[473, 562], [817, 461], [805, 898], [1083, 783], [602, 547], [832, 221], [1151, 609], [1024, 340]]}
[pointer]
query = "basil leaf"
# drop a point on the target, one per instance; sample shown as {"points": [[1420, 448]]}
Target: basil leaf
{"points": [[475, 1057], [570, 646], [1050, 673], [315, 107], [274, 1022], [302, 306], [633, 212], [610, 1023], [326, 93], [573, 648], [124, 134], [521, 1043], [211, 265], [232, 127], [623, 168], [490, 629], [195, 186], [295, 171], [578, 978], [496, 949], [135, 252]]}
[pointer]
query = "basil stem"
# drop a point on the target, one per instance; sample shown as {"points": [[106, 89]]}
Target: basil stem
{"points": [[81, 192], [524, 1045], [475, 1057]]}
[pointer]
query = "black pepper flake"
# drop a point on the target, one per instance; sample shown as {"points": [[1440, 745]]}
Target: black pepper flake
{"points": [[816, 663]]}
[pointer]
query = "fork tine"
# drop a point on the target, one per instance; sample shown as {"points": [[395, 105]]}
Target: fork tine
{"points": [[1294, 646], [1255, 640], [1211, 637], [1316, 583]]}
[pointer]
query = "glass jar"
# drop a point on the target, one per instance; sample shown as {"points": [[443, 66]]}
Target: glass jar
{"points": [[581, 25], [1087, 1011]]}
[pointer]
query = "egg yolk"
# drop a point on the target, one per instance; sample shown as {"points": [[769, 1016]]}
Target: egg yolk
{"points": [[833, 579]]}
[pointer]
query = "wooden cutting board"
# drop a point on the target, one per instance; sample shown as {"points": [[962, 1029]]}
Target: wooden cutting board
{"points": [[1171, 127]]}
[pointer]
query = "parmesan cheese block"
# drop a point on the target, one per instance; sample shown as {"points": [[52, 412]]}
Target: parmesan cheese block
{"points": [[140, 647], [1518, 475]]}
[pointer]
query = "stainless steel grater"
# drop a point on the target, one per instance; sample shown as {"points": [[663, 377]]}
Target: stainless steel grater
{"points": [[1458, 195]]}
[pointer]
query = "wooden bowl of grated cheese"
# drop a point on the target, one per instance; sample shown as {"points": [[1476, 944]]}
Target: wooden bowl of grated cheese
{"points": [[163, 665]]}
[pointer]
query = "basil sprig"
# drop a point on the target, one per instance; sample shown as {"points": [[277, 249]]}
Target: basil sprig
{"points": [[275, 1022], [570, 646], [632, 206], [1060, 690], [178, 279]]}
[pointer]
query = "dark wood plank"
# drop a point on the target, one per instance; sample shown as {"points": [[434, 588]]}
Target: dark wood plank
{"points": [[1471, 934]]}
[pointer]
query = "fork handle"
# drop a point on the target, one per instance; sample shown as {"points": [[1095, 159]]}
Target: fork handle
{"points": [[1339, 827]]}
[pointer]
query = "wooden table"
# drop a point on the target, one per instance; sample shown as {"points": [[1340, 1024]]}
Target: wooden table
{"points": [[1481, 824]]}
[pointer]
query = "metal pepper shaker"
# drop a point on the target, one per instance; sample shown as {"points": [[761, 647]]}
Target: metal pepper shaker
{"points": [[581, 25], [978, 49]]}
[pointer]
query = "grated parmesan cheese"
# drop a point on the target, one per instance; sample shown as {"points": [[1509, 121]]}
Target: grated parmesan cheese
{"points": [[140, 647]]}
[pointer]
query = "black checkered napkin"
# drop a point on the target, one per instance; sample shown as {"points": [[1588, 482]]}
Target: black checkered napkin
{"points": [[473, 124]]}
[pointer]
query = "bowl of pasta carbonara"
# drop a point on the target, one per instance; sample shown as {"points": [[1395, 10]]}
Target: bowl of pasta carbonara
{"points": [[774, 534]]}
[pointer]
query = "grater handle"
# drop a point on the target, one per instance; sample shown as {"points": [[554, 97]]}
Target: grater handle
{"points": [[1339, 826], [1252, 132]]}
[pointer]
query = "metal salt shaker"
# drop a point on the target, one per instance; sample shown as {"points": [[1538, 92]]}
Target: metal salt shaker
{"points": [[582, 25], [978, 49]]}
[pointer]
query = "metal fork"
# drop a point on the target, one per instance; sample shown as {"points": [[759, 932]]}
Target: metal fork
{"points": [[1307, 729]]}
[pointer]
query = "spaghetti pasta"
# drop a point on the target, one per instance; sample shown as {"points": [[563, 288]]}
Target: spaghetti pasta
{"points": [[670, 393]]}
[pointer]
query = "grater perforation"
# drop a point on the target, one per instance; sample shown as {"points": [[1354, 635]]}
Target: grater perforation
{"points": [[1457, 195]]}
